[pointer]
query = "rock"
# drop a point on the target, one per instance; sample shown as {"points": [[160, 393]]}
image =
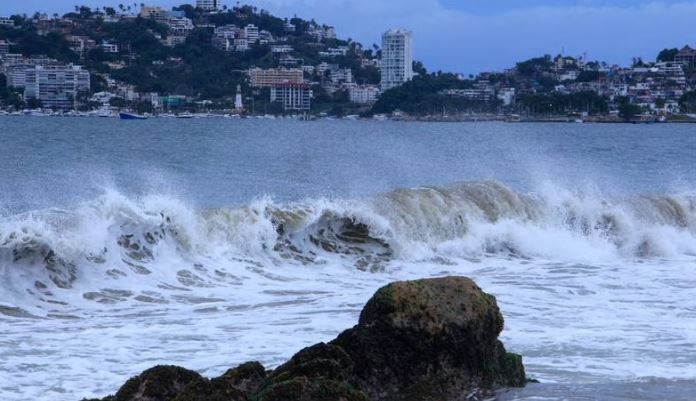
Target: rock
{"points": [[161, 383], [424, 340], [430, 340], [247, 377], [319, 373]]}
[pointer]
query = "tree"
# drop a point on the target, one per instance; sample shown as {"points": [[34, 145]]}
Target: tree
{"points": [[118, 102], [667, 55], [688, 102], [34, 103], [534, 66], [627, 110], [638, 62], [419, 68], [589, 76]]}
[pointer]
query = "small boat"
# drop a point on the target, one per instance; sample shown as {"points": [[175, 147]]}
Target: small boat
{"points": [[131, 116], [184, 115]]}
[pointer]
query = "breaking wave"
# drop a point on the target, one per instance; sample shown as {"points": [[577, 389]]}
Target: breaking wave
{"points": [[161, 240]]}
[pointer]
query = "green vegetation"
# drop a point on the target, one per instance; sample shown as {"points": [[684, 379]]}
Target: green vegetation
{"points": [[667, 55], [423, 95], [590, 76], [28, 42], [627, 110], [8, 96], [688, 102], [557, 103], [533, 67]]}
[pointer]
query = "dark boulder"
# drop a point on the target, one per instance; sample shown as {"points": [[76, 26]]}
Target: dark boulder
{"points": [[424, 340], [319, 373], [431, 339], [247, 377], [161, 383]]}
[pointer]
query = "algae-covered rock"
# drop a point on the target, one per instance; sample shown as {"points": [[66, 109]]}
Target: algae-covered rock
{"points": [[433, 339], [161, 383], [424, 340], [247, 377], [321, 372]]}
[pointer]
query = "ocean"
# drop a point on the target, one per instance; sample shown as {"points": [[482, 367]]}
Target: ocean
{"points": [[210, 242]]}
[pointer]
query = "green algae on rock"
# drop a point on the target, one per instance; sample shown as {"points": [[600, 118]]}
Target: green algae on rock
{"points": [[423, 340]]}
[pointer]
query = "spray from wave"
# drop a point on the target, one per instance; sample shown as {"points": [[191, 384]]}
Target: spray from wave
{"points": [[160, 240]]}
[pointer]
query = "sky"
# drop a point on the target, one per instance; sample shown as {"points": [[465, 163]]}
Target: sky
{"points": [[471, 36]]}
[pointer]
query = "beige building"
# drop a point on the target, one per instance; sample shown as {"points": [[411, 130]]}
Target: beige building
{"points": [[275, 76]]}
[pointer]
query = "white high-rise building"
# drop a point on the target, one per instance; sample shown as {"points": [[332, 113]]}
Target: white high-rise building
{"points": [[397, 58], [57, 87], [208, 5]]}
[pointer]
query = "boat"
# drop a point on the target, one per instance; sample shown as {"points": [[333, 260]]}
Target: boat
{"points": [[184, 115], [131, 116]]}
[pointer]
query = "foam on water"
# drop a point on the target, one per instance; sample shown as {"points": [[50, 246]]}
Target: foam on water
{"points": [[592, 288]]}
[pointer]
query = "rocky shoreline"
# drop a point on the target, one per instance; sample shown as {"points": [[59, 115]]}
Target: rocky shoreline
{"points": [[423, 340]]}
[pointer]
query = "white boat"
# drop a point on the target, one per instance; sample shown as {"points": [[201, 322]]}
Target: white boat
{"points": [[131, 116]]}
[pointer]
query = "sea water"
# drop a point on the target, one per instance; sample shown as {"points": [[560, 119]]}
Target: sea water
{"points": [[207, 243]]}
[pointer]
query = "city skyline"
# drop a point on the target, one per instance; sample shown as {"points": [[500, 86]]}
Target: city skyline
{"points": [[470, 37]]}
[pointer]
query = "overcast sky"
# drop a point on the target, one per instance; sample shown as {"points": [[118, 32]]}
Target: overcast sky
{"points": [[480, 35]]}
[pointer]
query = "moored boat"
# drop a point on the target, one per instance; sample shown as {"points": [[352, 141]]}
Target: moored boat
{"points": [[131, 116]]}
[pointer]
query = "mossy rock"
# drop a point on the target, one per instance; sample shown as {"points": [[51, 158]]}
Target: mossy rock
{"points": [[320, 360], [288, 390], [210, 390], [423, 340], [302, 389], [247, 377], [432, 305], [161, 383], [430, 339]]}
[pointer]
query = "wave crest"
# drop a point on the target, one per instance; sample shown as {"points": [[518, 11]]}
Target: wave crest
{"points": [[117, 237]]}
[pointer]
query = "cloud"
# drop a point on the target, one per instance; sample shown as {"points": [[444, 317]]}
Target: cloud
{"points": [[451, 37], [476, 35]]}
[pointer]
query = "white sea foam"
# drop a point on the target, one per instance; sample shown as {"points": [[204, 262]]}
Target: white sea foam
{"points": [[591, 287]]}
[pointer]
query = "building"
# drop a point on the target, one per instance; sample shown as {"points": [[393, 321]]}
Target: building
{"points": [[174, 40], [363, 94], [241, 44], [275, 76], [5, 21], [289, 61], [81, 44], [180, 26], [397, 58], [292, 96], [282, 49], [156, 13], [16, 74], [208, 5], [57, 87], [108, 47], [507, 96], [251, 33], [342, 75], [4, 48], [686, 56]]}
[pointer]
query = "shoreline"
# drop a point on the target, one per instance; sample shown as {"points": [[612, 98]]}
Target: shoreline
{"points": [[424, 119]]}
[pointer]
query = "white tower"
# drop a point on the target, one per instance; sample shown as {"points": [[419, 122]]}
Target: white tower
{"points": [[397, 58], [238, 105]]}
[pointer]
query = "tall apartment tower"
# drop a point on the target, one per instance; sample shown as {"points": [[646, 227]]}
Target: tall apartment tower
{"points": [[397, 58], [208, 5]]}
